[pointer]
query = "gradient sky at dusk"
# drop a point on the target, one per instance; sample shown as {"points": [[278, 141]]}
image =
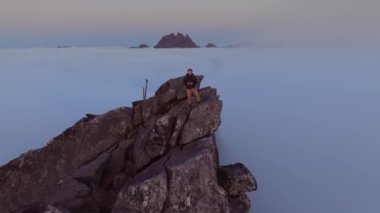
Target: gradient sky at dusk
{"points": [[129, 22]]}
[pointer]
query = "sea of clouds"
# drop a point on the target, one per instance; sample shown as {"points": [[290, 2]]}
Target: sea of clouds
{"points": [[305, 121]]}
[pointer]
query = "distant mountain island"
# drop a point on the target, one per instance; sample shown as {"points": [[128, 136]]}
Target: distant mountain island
{"points": [[176, 41], [181, 40], [141, 46], [211, 45], [64, 46]]}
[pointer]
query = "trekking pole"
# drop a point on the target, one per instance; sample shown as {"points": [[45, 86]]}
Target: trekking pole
{"points": [[145, 89]]}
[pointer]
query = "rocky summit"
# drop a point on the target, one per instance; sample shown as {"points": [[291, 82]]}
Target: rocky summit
{"points": [[160, 155], [176, 41]]}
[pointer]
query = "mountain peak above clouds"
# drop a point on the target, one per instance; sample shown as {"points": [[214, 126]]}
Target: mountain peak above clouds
{"points": [[176, 41], [160, 155]]}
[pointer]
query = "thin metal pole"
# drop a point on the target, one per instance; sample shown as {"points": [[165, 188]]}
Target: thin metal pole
{"points": [[145, 89]]}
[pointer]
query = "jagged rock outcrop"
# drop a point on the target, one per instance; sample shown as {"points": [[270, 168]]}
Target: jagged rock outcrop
{"points": [[28, 178], [236, 179], [142, 46], [211, 45], [176, 41], [158, 156]]}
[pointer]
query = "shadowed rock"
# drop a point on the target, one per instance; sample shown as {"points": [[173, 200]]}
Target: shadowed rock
{"points": [[93, 171], [236, 179], [146, 192], [37, 171], [192, 179], [67, 190], [116, 162], [197, 126], [169, 95], [239, 204], [153, 141]]}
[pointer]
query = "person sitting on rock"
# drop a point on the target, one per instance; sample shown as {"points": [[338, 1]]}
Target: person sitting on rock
{"points": [[191, 83]]}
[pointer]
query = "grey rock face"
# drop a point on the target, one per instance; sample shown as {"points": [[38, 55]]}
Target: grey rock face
{"points": [[93, 171], [66, 190], [239, 204], [176, 41], [159, 156], [192, 180], [25, 179], [236, 179], [173, 90], [153, 140], [146, 192], [197, 126], [170, 95]]}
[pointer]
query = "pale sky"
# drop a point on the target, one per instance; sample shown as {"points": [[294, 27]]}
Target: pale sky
{"points": [[28, 23]]}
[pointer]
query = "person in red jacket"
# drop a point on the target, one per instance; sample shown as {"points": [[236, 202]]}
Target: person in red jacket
{"points": [[191, 83]]}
